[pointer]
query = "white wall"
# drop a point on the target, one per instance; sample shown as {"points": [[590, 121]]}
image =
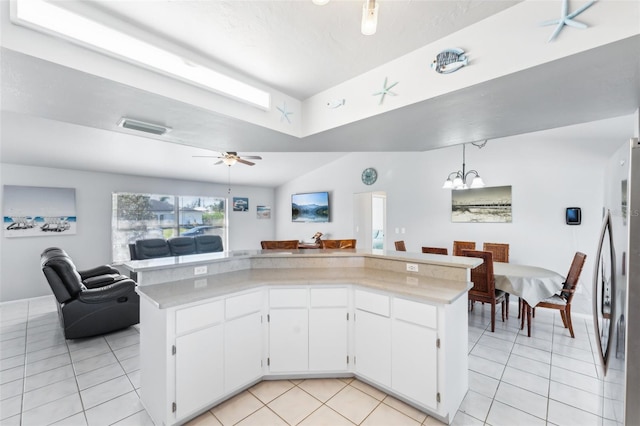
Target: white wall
{"points": [[546, 176], [20, 273]]}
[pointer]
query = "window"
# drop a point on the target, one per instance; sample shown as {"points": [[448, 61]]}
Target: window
{"points": [[139, 216]]}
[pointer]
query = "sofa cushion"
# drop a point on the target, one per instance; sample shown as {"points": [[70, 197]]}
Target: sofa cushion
{"points": [[181, 246], [151, 248], [208, 243]]}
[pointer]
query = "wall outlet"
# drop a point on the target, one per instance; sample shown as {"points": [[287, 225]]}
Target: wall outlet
{"points": [[412, 267], [200, 283], [199, 270]]}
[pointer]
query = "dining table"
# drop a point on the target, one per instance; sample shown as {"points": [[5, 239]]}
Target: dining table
{"points": [[531, 283]]}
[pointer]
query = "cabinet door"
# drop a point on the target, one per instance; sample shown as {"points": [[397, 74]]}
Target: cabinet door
{"points": [[373, 347], [415, 362], [199, 365], [289, 340], [328, 339], [242, 351]]}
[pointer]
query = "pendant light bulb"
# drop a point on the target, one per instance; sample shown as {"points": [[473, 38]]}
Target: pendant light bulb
{"points": [[369, 17]]}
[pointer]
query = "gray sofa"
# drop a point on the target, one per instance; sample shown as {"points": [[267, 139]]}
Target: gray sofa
{"points": [[152, 248]]}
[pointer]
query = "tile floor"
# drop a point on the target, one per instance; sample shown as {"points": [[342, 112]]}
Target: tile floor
{"points": [[513, 380]]}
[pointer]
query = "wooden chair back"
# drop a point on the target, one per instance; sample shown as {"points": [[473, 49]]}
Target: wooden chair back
{"points": [[400, 246], [500, 251], [484, 285], [459, 246], [573, 276], [279, 244], [435, 250], [339, 244]]}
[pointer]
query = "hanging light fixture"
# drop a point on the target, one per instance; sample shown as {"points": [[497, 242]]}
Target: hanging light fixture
{"points": [[369, 17], [458, 180]]}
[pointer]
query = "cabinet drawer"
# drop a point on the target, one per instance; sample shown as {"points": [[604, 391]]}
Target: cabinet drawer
{"points": [[199, 316], [288, 298], [372, 302], [416, 313], [238, 306], [329, 297]]}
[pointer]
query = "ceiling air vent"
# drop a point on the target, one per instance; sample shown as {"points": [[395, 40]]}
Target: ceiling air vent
{"points": [[141, 126]]}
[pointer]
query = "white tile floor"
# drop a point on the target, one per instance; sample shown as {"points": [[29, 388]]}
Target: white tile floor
{"points": [[548, 378]]}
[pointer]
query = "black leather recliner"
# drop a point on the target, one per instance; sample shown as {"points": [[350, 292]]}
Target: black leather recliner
{"points": [[90, 302]]}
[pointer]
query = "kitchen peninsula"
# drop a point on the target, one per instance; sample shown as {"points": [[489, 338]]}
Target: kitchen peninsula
{"points": [[212, 325]]}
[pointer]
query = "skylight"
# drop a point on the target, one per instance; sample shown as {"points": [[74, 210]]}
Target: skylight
{"points": [[47, 17]]}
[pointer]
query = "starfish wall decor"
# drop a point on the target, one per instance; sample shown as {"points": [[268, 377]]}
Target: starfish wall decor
{"points": [[386, 90], [566, 18], [284, 114]]}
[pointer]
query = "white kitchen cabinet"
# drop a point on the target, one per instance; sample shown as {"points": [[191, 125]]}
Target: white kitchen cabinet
{"points": [[243, 340], [288, 340], [328, 339], [328, 329], [414, 369], [373, 347], [199, 368], [242, 351]]}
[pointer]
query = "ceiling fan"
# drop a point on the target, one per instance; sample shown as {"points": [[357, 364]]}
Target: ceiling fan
{"points": [[230, 158]]}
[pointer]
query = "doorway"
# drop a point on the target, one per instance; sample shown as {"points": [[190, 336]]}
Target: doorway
{"points": [[370, 218]]}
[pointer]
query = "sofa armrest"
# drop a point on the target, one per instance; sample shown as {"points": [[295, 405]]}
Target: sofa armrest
{"points": [[103, 280], [98, 270], [119, 290]]}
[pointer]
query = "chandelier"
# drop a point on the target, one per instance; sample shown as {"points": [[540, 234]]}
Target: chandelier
{"points": [[458, 180]]}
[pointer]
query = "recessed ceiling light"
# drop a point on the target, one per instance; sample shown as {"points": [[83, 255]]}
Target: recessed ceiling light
{"points": [[47, 17], [141, 126]]}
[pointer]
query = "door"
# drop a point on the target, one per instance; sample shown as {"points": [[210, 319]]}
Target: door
{"points": [[415, 362], [199, 366], [288, 340], [369, 219], [328, 339], [373, 347], [242, 351]]}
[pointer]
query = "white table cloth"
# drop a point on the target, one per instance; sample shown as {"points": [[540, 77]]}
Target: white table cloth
{"points": [[531, 283]]}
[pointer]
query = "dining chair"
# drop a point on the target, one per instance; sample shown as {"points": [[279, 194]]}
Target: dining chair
{"points": [[561, 301], [279, 244], [484, 284], [500, 252], [435, 250], [458, 246], [338, 244], [400, 246]]}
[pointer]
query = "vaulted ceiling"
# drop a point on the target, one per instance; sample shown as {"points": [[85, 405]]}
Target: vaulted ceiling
{"points": [[299, 49]]}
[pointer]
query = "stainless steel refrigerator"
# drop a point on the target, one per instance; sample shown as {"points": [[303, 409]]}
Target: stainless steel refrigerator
{"points": [[616, 289]]}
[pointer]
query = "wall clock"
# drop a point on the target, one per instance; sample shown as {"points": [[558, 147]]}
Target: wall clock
{"points": [[369, 176]]}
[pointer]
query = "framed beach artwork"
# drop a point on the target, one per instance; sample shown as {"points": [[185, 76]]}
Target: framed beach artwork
{"points": [[38, 211], [240, 204], [482, 205], [263, 212]]}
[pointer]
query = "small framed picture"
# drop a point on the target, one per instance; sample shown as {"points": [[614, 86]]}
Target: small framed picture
{"points": [[240, 204]]}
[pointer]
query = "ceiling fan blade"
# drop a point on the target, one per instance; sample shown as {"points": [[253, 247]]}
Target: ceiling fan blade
{"points": [[248, 163], [206, 156], [218, 162], [252, 157]]}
